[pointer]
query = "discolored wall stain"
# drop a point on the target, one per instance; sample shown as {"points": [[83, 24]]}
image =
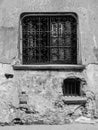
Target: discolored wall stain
{"points": [[95, 50]]}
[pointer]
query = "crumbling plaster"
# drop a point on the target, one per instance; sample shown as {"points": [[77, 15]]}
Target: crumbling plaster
{"points": [[43, 88], [43, 91]]}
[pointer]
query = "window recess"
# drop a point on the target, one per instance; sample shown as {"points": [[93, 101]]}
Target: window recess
{"points": [[49, 38]]}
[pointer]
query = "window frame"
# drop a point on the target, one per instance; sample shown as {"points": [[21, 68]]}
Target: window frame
{"points": [[53, 66]]}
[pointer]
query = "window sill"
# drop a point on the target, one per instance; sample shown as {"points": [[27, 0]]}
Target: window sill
{"points": [[49, 67], [74, 100]]}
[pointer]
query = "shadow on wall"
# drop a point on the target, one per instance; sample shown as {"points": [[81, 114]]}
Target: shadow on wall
{"points": [[95, 50]]}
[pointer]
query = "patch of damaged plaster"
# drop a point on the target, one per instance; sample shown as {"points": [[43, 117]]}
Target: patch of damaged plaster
{"points": [[43, 90], [36, 97]]}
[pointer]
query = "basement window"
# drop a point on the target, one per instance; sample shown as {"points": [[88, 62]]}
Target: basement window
{"points": [[72, 87], [49, 38]]}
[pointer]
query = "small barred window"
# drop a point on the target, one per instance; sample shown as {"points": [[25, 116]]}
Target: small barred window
{"points": [[49, 38], [72, 87]]}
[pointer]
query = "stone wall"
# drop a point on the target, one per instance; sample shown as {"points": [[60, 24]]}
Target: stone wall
{"points": [[43, 89], [34, 96]]}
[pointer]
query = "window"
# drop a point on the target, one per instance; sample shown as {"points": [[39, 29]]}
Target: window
{"points": [[72, 87], [49, 38]]}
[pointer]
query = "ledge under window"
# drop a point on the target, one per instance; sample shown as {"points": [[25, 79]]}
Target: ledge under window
{"points": [[49, 67], [74, 100]]}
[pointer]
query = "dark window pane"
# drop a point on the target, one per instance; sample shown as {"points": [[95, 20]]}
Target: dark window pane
{"points": [[68, 55], [71, 87], [49, 39], [61, 54], [54, 30], [44, 55], [54, 41], [44, 24], [62, 42], [44, 39], [54, 54]]}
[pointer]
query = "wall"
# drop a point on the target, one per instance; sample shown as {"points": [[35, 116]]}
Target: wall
{"points": [[9, 23], [38, 84]]}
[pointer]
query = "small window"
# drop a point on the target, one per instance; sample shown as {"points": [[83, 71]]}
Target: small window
{"points": [[49, 38], [71, 87]]}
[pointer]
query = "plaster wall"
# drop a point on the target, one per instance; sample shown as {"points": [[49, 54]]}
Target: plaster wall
{"points": [[43, 88], [88, 19]]}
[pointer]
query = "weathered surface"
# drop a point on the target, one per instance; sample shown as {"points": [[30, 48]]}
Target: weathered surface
{"points": [[88, 29], [92, 74], [73, 126], [8, 94], [34, 96], [44, 91], [44, 88]]}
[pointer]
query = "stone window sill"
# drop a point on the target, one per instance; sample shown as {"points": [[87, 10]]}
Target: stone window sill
{"points": [[49, 67], [74, 99]]}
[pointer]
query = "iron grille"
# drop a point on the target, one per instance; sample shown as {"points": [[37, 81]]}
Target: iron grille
{"points": [[49, 39], [71, 87]]}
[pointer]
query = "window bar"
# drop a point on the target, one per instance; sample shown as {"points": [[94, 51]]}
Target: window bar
{"points": [[58, 39], [28, 42], [29, 30], [67, 90], [48, 33], [78, 87], [65, 43], [75, 88], [71, 87], [35, 49], [39, 42], [68, 87]]}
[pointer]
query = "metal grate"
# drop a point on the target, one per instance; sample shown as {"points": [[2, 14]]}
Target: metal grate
{"points": [[71, 87], [49, 39]]}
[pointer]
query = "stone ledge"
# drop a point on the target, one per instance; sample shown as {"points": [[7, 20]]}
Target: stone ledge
{"points": [[74, 100], [49, 67]]}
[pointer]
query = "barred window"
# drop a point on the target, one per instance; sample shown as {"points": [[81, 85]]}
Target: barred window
{"points": [[72, 87], [49, 38]]}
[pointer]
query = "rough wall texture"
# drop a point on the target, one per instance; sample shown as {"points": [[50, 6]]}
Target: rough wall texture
{"points": [[35, 96], [43, 89], [9, 23]]}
